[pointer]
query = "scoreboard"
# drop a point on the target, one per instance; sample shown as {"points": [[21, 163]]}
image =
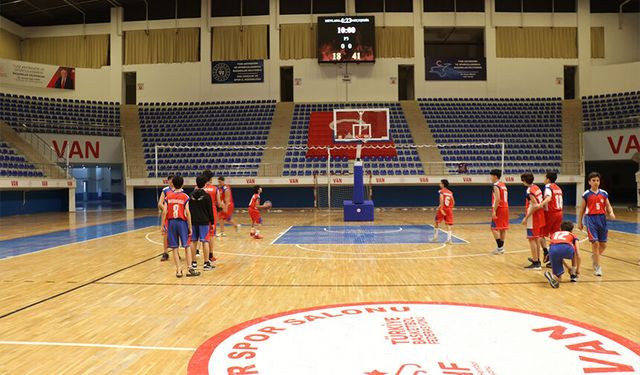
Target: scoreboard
{"points": [[346, 39]]}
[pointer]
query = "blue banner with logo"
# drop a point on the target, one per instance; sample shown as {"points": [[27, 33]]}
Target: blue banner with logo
{"points": [[245, 71], [456, 69]]}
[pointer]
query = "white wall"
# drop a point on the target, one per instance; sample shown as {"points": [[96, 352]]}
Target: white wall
{"points": [[321, 83]]}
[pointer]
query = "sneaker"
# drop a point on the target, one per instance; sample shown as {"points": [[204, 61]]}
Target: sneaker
{"points": [[553, 282], [449, 240], [238, 227], [498, 251], [257, 237], [179, 274], [533, 266], [192, 272], [165, 257], [194, 265], [222, 234], [574, 278], [598, 271], [548, 265], [197, 252], [208, 266]]}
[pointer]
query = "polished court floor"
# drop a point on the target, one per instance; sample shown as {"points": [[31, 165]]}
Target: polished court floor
{"points": [[86, 293]]}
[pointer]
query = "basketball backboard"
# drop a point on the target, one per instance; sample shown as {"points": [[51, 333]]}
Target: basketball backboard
{"points": [[360, 125]]}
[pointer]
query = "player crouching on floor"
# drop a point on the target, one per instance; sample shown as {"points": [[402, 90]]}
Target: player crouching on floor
{"points": [[564, 245]]}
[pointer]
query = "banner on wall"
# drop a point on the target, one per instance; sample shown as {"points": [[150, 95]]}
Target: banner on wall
{"points": [[611, 144], [456, 69], [86, 149], [245, 71], [22, 73]]}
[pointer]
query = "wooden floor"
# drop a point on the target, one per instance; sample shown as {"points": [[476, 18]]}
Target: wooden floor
{"points": [[115, 290]]}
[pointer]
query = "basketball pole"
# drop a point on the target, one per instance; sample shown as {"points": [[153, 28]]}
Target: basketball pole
{"points": [[329, 178]]}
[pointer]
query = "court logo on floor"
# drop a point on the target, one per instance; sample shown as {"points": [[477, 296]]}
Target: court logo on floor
{"points": [[414, 338]]}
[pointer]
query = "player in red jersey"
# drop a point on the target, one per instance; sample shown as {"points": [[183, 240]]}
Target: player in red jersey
{"points": [[225, 215], [176, 211], [445, 210], [161, 204], [564, 245], [533, 219], [552, 203], [254, 213], [499, 210], [212, 190], [595, 205]]}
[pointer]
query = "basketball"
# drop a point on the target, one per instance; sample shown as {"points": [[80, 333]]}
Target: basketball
{"points": [[267, 204]]}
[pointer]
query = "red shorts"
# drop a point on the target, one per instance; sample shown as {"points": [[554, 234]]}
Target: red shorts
{"points": [[255, 216], [552, 223], [447, 217], [502, 220], [226, 215]]}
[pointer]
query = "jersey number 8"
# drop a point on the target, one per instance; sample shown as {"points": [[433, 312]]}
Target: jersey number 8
{"points": [[175, 211]]}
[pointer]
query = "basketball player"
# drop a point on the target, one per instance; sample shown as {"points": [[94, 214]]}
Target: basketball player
{"points": [[226, 214], [564, 245], [499, 210], [163, 194], [445, 210], [533, 219], [552, 203], [177, 213], [201, 219], [595, 205], [254, 213], [212, 190]]}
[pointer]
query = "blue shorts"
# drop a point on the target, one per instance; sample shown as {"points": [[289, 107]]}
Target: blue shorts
{"points": [[596, 227], [200, 233], [177, 233], [557, 253]]}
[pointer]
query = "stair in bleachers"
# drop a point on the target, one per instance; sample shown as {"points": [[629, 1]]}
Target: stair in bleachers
{"points": [[611, 111], [18, 158], [272, 159], [61, 116], [130, 122], [531, 129], [422, 136], [571, 133], [217, 136]]}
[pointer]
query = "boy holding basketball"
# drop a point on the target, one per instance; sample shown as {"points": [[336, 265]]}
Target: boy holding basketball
{"points": [[176, 211], [564, 245], [445, 210], [595, 205], [499, 210], [254, 212], [533, 219]]}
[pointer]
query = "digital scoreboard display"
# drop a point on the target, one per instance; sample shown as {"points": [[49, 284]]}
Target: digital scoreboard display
{"points": [[346, 39]]}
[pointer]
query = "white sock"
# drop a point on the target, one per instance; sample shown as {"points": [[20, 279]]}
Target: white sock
{"points": [[435, 232]]}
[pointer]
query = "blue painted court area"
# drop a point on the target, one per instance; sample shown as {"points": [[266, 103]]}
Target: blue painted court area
{"points": [[617, 225], [361, 235], [25, 245]]}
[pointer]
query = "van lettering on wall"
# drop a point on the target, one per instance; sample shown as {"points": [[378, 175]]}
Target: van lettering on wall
{"points": [[91, 149], [631, 143]]}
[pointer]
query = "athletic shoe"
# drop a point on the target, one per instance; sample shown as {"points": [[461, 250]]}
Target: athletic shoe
{"points": [[257, 237], [238, 227], [574, 278], [548, 265], [449, 240], [197, 252], [165, 257], [208, 266], [192, 272], [498, 251], [598, 271], [553, 282], [533, 266], [222, 234], [194, 265], [179, 274]]}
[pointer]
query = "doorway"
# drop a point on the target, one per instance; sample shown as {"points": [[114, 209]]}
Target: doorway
{"points": [[286, 83], [130, 89], [570, 90], [99, 187], [406, 82]]}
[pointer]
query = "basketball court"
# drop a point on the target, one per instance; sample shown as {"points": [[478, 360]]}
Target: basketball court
{"points": [[63, 311]]}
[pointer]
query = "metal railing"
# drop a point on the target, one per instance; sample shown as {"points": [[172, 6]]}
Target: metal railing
{"points": [[45, 149]]}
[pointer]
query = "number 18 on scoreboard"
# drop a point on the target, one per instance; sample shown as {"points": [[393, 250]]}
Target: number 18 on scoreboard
{"points": [[346, 39]]}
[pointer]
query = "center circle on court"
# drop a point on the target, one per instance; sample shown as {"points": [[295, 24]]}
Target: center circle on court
{"points": [[411, 338]]}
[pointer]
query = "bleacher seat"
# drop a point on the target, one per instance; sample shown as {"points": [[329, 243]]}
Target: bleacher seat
{"points": [[611, 111]]}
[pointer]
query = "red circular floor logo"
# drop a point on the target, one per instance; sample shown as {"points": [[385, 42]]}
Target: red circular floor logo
{"points": [[414, 338]]}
